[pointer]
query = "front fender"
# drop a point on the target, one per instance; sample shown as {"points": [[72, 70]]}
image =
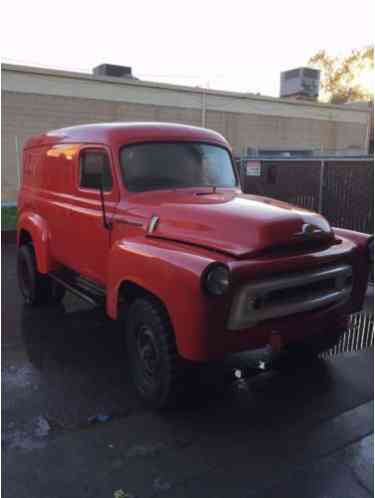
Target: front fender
{"points": [[37, 228], [171, 274], [361, 265]]}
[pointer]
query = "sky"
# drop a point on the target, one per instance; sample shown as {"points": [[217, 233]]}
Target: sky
{"points": [[230, 45]]}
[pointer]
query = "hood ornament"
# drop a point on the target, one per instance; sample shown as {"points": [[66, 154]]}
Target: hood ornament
{"points": [[309, 230]]}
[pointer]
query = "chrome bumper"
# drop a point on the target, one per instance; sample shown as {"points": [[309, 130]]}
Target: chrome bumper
{"points": [[290, 294]]}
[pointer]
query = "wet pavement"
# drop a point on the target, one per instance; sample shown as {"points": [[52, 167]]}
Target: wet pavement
{"points": [[72, 426]]}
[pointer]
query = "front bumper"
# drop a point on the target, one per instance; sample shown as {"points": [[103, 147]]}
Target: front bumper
{"points": [[291, 329]]}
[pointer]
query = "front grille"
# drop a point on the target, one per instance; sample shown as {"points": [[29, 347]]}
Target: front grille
{"points": [[290, 294], [300, 291]]}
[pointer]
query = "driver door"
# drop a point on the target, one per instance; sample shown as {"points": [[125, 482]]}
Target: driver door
{"points": [[90, 240]]}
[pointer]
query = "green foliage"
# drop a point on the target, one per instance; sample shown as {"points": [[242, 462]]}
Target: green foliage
{"points": [[346, 79], [8, 218]]}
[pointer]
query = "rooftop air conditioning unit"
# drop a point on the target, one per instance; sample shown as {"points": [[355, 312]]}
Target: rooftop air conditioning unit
{"points": [[302, 82], [113, 71]]}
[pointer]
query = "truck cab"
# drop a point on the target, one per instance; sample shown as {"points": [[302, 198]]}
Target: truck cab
{"points": [[149, 221]]}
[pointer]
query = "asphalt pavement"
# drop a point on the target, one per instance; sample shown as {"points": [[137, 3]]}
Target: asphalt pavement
{"points": [[73, 427]]}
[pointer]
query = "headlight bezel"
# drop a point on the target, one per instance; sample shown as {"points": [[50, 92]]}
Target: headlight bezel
{"points": [[208, 284]]}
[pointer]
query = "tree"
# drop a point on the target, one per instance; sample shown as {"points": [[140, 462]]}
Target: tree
{"points": [[346, 79]]}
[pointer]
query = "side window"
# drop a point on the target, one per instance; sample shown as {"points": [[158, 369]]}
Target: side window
{"points": [[95, 170]]}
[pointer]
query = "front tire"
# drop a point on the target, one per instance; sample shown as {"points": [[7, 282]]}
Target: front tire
{"points": [[157, 371], [36, 288]]}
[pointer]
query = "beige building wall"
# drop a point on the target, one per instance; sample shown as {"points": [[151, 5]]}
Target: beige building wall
{"points": [[35, 100]]}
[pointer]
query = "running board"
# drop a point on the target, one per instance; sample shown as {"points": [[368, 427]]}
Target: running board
{"points": [[81, 287]]}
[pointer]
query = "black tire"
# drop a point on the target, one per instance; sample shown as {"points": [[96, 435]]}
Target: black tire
{"points": [[36, 288], [159, 374]]}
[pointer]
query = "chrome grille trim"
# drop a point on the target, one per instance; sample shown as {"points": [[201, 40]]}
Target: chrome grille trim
{"points": [[332, 286]]}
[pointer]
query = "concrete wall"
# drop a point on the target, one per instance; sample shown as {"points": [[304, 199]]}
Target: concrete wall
{"points": [[36, 100]]}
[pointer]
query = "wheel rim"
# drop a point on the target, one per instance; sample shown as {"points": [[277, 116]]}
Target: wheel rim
{"points": [[148, 359]]}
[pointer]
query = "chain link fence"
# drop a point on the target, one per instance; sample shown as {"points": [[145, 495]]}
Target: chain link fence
{"points": [[341, 189]]}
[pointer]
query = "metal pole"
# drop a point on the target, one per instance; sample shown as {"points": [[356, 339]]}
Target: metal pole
{"points": [[321, 186], [368, 133]]}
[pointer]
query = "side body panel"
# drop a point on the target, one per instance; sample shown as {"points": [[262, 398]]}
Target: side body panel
{"points": [[45, 195], [68, 219]]}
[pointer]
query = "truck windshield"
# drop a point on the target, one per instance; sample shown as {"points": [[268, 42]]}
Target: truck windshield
{"points": [[155, 166]]}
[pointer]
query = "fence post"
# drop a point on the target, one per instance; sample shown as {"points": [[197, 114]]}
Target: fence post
{"points": [[243, 174], [321, 186]]}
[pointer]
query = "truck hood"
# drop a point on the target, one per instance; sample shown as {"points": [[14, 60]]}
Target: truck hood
{"points": [[232, 222]]}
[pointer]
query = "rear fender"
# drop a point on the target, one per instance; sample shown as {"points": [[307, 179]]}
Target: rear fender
{"points": [[37, 228]]}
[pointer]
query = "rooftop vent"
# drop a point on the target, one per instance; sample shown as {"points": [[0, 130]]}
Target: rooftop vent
{"points": [[302, 83], [113, 71]]}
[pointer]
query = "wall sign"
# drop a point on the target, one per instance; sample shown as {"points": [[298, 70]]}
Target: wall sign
{"points": [[253, 168]]}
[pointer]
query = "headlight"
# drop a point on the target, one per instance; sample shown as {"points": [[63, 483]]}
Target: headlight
{"points": [[370, 248], [215, 279]]}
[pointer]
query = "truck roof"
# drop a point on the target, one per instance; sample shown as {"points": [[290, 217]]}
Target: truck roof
{"points": [[117, 134]]}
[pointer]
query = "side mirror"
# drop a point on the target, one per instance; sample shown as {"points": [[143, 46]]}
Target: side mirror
{"points": [[102, 186]]}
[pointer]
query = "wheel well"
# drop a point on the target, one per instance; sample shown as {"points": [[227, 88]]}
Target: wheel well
{"points": [[129, 292], [24, 238]]}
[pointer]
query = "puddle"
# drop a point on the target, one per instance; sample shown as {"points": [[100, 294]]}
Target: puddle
{"points": [[159, 484], [71, 422], [42, 427], [147, 450], [21, 377], [29, 438]]}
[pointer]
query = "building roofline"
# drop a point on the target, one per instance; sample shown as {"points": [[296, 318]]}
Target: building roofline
{"points": [[57, 73]]}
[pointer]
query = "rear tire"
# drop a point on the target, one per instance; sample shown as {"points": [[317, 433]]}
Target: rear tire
{"points": [[36, 288], [158, 372]]}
